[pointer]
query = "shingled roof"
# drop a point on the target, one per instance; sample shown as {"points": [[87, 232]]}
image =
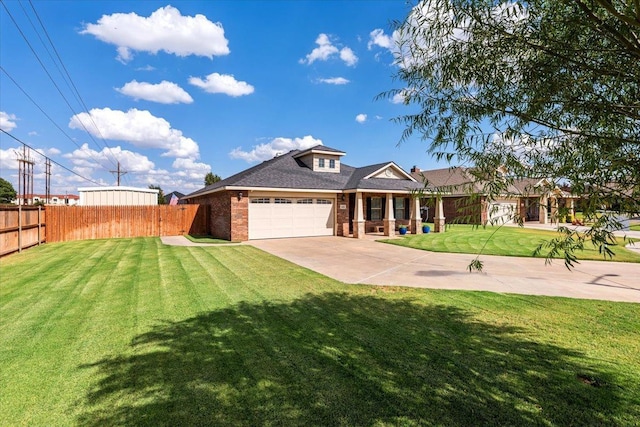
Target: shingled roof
{"points": [[287, 172], [459, 180]]}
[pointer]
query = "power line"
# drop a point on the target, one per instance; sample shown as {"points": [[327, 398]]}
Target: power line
{"points": [[75, 89], [45, 113], [51, 78], [53, 161]]}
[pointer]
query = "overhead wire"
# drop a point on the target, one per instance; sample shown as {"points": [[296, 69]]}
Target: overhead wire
{"points": [[50, 77], [70, 80], [45, 113]]}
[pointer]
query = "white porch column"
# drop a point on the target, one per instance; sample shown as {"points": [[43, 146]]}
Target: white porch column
{"points": [[358, 220], [554, 210], [572, 208], [542, 210], [389, 217], [438, 217], [416, 218]]}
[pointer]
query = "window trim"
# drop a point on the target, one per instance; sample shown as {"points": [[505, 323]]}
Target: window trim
{"points": [[321, 162], [332, 163], [376, 209]]}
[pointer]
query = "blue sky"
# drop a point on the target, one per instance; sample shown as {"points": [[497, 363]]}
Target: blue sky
{"points": [[175, 90]]}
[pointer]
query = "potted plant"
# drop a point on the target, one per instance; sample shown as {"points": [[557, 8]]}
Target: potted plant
{"points": [[402, 229], [426, 228]]}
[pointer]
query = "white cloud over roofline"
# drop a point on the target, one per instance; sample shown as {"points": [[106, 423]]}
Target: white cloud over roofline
{"points": [[166, 30], [138, 127], [164, 92], [222, 83], [276, 146]]}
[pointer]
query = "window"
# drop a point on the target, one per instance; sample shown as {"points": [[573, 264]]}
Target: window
{"points": [[323, 201], [304, 201], [280, 201], [399, 207], [332, 164], [320, 163], [376, 208], [261, 200]]}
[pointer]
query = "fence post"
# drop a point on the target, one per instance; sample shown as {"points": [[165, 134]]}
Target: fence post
{"points": [[19, 228], [39, 225]]}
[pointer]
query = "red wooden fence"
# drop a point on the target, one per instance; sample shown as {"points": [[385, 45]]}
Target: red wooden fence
{"points": [[20, 227], [66, 223]]}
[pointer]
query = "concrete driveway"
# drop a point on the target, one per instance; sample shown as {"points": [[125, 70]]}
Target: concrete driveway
{"points": [[369, 262]]}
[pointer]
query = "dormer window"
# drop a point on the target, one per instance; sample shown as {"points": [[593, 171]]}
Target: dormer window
{"points": [[332, 164], [320, 162]]}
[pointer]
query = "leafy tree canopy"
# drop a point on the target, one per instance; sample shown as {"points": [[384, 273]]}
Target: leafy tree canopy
{"points": [[7, 192], [211, 178], [161, 200], [542, 88]]}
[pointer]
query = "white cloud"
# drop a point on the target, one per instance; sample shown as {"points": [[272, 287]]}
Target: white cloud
{"points": [[190, 169], [327, 50], [347, 55], [398, 98], [361, 118], [139, 127], [164, 30], [377, 37], [146, 68], [87, 161], [379, 117], [334, 81], [8, 159], [164, 92], [33, 133], [222, 83], [7, 121], [276, 146]]}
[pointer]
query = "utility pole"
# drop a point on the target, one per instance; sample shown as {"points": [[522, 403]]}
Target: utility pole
{"points": [[118, 173], [47, 171], [25, 174]]}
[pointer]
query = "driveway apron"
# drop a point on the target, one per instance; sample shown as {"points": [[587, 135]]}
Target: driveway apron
{"points": [[366, 261]]}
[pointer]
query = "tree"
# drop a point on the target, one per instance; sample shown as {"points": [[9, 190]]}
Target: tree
{"points": [[211, 178], [546, 88], [161, 200], [7, 192]]}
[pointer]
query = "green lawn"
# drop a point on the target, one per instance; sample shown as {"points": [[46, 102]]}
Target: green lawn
{"points": [[508, 241], [131, 332], [634, 227]]}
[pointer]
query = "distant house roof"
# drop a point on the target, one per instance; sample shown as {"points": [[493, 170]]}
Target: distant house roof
{"points": [[458, 180], [167, 197], [288, 172]]}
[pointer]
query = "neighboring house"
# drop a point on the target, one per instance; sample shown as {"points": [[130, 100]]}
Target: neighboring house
{"points": [[530, 199], [179, 196], [54, 199], [311, 193], [118, 196]]}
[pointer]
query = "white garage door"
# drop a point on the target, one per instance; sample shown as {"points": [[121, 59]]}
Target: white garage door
{"points": [[272, 217], [501, 212]]}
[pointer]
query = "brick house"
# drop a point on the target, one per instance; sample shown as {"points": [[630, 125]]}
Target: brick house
{"points": [[464, 200], [311, 193]]}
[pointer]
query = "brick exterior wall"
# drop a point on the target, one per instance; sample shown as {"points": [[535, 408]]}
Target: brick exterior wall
{"points": [[461, 210], [229, 216], [342, 215], [371, 226]]}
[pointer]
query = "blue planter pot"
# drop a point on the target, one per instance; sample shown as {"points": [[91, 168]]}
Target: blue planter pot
{"points": [[403, 231], [426, 229]]}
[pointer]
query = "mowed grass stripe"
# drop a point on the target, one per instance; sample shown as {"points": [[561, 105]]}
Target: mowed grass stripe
{"points": [[505, 241], [283, 345]]}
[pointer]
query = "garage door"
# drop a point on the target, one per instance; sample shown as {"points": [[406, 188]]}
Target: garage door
{"points": [[501, 212], [273, 217]]}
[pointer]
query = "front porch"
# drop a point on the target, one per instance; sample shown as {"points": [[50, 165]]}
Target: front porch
{"points": [[385, 213]]}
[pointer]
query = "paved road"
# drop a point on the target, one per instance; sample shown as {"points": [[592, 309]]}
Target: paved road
{"points": [[366, 261]]}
